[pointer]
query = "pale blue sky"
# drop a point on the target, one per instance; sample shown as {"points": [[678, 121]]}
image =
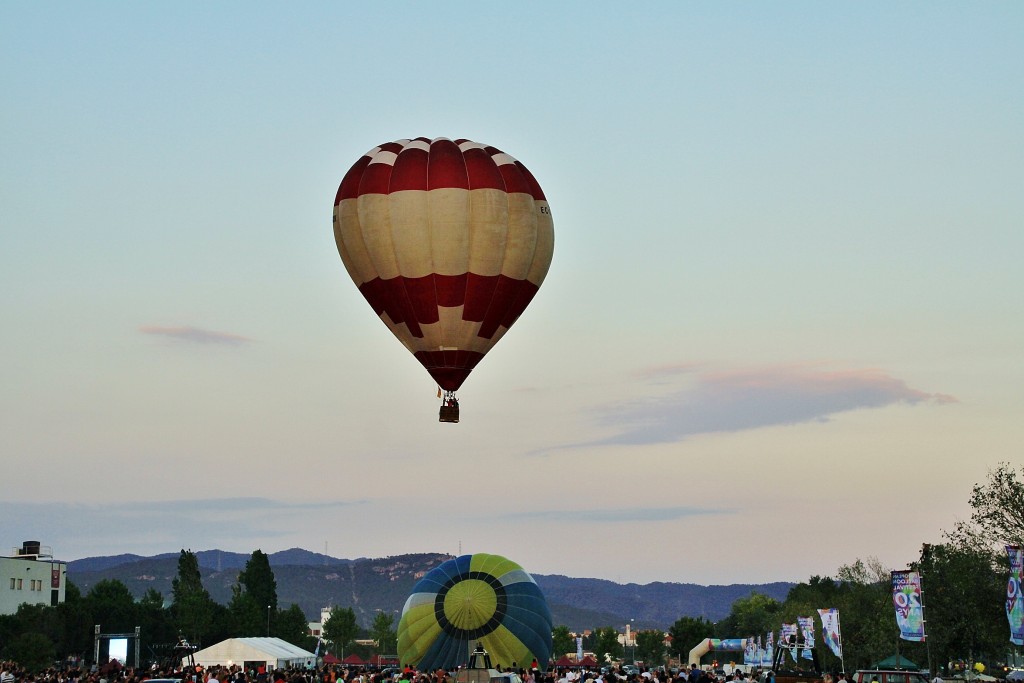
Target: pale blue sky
{"points": [[787, 281]]}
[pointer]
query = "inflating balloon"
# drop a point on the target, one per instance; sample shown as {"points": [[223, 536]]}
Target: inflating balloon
{"points": [[481, 598], [448, 241]]}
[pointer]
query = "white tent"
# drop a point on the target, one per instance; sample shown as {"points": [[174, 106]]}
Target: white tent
{"points": [[274, 653]]}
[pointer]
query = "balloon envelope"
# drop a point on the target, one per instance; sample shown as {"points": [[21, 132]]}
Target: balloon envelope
{"points": [[449, 241], [472, 599]]}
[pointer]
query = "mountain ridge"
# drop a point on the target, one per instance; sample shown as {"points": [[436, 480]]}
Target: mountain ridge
{"points": [[370, 585]]}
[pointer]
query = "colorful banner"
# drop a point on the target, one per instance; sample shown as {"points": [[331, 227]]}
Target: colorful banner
{"points": [[830, 630], [807, 630], [787, 639], [1014, 600], [906, 598], [769, 649], [750, 651], [726, 644], [579, 649]]}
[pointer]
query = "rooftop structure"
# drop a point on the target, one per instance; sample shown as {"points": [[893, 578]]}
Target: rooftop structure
{"points": [[31, 576]]}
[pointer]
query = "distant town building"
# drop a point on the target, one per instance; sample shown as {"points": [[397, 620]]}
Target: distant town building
{"points": [[31, 576], [316, 628]]}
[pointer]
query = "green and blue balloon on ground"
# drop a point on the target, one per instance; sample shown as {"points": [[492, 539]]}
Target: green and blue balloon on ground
{"points": [[481, 598]]}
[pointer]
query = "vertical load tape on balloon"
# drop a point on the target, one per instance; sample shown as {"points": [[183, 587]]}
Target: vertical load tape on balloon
{"points": [[448, 241], [475, 599]]}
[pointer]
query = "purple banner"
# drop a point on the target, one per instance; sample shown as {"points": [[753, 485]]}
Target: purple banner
{"points": [[1014, 600], [906, 598]]}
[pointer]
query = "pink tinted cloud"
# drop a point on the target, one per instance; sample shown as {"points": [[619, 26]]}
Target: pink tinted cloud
{"points": [[195, 335], [751, 398]]}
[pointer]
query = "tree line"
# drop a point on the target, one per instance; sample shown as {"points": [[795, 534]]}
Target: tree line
{"points": [[964, 583], [36, 636]]}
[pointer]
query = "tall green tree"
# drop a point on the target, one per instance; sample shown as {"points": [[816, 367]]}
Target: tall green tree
{"points": [[650, 646], [341, 628], [193, 608], [257, 579], [247, 617], [154, 621], [112, 606], [292, 626], [803, 600], [253, 605], [756, 613], [964, 592], [41, 619], [76, 623], [562, 642], [869, 624], [997, 505], [34, 651], [383, 632], [606, 644], [686, 632]]}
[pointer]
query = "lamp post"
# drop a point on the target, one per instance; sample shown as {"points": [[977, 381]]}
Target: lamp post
{"points": [[268, 621]]}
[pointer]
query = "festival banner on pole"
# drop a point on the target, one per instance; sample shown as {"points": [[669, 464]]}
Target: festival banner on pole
{"points": [[807, 630], [579, 649], [906, 598], [1014, 599], [750, 651], [787, 639], [769, 649], [830, 630]]}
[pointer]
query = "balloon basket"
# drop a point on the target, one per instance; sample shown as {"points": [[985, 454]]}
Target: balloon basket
{"points": [[449, 408]]}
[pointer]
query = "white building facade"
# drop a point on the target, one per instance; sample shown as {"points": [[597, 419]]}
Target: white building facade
{"points": [[31, 576]]}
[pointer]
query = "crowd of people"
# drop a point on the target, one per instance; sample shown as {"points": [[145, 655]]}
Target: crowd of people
{"points": [[11, 672]]}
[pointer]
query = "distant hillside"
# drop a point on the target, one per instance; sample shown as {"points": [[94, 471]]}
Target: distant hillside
{"points": [[653, 605], [312, 581], [364, 585]]}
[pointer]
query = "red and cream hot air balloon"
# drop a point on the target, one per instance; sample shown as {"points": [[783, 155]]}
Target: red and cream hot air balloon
{"points": [[448, 240]]}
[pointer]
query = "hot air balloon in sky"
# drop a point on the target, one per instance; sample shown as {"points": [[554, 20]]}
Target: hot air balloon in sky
{"points": [[475, 599], [449, 241]]}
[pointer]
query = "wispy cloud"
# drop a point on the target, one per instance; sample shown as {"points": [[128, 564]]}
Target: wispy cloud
{"points": [[222, 506], [605, 515], [736, 400], [195, 335], [78, 530]]}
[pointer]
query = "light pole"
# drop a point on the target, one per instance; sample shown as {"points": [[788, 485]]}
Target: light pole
{"points": [[268, 621]]}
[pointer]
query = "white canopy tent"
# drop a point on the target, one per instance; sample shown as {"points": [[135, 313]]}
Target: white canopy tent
{"points": [[274, 653]]}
